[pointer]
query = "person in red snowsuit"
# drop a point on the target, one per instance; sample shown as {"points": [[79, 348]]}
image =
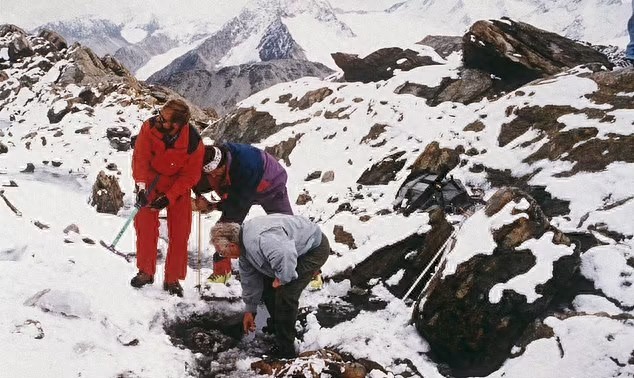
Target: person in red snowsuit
{"points": [[169, 148]]}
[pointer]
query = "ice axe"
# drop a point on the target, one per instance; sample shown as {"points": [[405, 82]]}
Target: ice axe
{"points": [[136, 209]]}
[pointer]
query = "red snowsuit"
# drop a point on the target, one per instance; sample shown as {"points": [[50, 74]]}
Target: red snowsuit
{"points": [[179, 168]]}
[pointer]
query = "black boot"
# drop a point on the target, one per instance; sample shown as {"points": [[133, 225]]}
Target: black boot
{"points": [[173, 288], [283, 351], [141, 279]]}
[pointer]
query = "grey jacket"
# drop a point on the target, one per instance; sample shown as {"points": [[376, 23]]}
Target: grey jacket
{"points": [[270, 246]]}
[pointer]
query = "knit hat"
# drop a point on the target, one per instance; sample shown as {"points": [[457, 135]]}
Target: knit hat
{"points": [[214, 158]]}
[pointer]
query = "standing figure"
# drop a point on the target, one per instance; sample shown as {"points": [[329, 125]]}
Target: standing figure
{"points": [[169, 148], [242, 175], [278, 256]]}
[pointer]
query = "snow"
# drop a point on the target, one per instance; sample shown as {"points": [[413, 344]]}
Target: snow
{"points": [[157, 62], [475, 236], [607, 267], [546, 253], [133, 35]]}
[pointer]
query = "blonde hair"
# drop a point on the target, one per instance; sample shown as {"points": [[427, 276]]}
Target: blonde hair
{"points": [[180, 109], [224, 234]]}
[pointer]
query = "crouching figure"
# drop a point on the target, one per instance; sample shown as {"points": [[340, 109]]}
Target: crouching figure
{"points": [[278, 256]]}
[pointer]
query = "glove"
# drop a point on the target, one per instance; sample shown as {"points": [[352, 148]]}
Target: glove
{"points": [[141, 199], [201, 204], [160, 202]]}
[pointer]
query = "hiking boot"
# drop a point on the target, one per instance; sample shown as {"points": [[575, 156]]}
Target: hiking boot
{"points": [[317, 282], [174, 288], [219, 278], [141, 279]]}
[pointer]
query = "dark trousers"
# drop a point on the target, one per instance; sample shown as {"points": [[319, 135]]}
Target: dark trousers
{"points": [[283, 302]]}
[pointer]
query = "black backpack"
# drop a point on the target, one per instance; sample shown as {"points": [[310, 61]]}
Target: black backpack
{"points": [[428, 189]]}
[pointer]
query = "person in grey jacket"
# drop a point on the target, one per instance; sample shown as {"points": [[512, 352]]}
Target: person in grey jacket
{"points": [[278, 256]]}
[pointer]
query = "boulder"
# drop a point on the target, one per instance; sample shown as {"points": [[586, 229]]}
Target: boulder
{"points": [[486, 294], [106, 194], [444, 45], [379, 65], [19, 47], [519, 52], [384, 171], [435, 159], [54, 38], [283, 149]]}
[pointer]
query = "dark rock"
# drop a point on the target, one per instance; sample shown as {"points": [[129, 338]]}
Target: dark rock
{"points": [[58, 133], [375, 131], [519, 52], [3, 76], [464, 327], [83, 130], [472, 86], [56, 163], [387, 261], [19, 47], [30, 168], [379, 65], [310, 98], [71, 228], [344, 237], [384, 171], [476, 126], [118, 131], [283, 149], [112, 167], [435, 159], [88, 241], [313, 176], [54, 38], [89, 97], [444, 45], [303, 199], [328, 176], [55, 114], [106, 194], [3, 148], [246, 125]]}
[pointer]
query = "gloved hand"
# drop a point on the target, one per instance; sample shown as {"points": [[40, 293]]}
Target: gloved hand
{"points": [[203, 205], [160, 202], [141, 199]]}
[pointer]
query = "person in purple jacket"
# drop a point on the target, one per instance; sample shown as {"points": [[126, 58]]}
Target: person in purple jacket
{"points": [[242, 175]]}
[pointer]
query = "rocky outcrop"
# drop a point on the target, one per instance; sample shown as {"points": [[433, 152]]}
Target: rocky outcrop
{"points": [[283, 149], [411, 255], [444, 45], [379, 65], [223, 89], [88, 68], [54, 38], [518, 52], [245, 125], [106, 194], [473, 311]]}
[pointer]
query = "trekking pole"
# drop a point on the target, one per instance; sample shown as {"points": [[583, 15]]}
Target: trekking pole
{"points": [[136, 209], [199, 248]]}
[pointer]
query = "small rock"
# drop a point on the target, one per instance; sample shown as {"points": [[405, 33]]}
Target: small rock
{"points": [[88, 241], [58, 133], [56, 163], [111, 167], [30, 168], [3, 148], [313, 176], [71, 228], [83, 130], [303, 199], [328, 176]]}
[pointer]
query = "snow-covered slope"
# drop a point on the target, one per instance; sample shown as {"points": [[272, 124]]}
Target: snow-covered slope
{"points": [[68, 309]]}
